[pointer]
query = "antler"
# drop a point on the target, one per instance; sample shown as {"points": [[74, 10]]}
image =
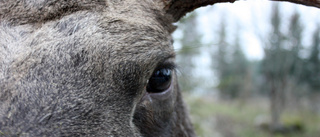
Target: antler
{"points": [[314, 3], [178, 8]]}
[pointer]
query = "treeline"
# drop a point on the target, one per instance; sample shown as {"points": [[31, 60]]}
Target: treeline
{"points": [[288, 72]]}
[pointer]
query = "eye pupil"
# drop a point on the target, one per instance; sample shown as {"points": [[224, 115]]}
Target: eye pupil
{"points": [[160, 81]]}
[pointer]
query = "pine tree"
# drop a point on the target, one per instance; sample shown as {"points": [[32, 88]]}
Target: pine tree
{"points": [[189, 50], [282, 63], [231, 65], [272, 68], [295, 42], [313, 65]]}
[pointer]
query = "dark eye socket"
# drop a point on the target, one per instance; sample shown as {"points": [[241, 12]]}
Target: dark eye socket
{"points": [[160, 80]]}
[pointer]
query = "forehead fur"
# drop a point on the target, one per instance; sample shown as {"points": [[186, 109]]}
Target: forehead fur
{"points": [[148, 13], [40, 11], [119, 33]]}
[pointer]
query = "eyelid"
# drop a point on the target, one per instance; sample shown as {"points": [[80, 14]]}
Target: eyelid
{"points": [[167, 65]]}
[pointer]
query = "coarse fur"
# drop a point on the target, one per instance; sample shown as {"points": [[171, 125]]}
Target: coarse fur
{"points": [[80, 68]]}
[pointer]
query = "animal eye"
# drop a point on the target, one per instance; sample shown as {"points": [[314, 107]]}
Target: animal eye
{"points": [[160, 80]]}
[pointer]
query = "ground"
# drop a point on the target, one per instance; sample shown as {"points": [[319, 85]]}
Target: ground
{"points": [[236, 118]]}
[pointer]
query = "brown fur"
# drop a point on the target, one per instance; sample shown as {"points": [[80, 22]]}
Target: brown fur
{"points": [[74, 68]]}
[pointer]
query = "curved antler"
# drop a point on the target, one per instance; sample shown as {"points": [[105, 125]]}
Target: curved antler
{"points": [[178, 8], [313, 3]]}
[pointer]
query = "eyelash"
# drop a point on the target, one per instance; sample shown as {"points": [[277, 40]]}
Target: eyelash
{"points": [[167, 65]]}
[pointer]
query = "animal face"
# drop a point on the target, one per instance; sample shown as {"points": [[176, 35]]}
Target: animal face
{"points": [[101, 69], [91, 67]]}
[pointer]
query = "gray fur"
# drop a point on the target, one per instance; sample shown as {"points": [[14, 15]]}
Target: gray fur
{"points": [[80, 68]]}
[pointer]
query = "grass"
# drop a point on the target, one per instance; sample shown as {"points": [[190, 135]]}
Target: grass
{"points": [[237, 119]]}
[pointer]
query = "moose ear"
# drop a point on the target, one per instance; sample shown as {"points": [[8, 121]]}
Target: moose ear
{"points": [[178, 8]]}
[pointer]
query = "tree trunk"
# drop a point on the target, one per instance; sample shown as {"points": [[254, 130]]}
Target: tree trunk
{"points": [[275, 106]]}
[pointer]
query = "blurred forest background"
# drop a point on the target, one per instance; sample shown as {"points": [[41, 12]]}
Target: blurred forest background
{"points": [[265, 83]]}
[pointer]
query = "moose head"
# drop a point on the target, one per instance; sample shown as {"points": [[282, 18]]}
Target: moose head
{"points": [[92, 67]]}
